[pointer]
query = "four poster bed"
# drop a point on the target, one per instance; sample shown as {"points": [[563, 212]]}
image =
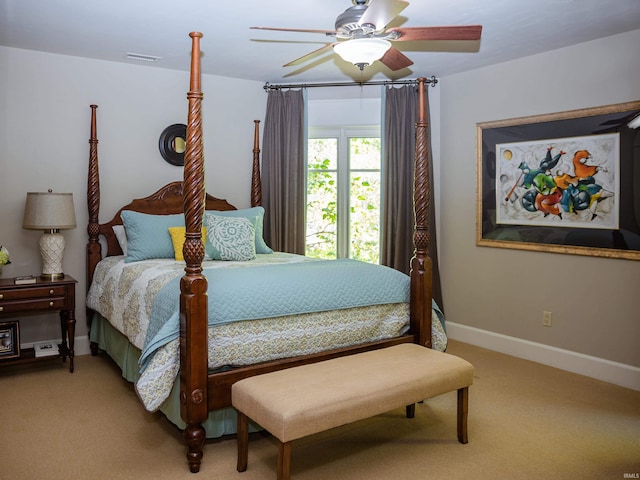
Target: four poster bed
{"points": [[185, 365]]}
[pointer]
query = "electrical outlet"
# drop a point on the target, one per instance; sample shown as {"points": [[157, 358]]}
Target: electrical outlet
{"points": [[546, 318]]}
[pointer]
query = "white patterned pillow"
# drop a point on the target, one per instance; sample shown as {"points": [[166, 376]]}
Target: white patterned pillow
{"points": [[256, 215], [121, 236], [230, 238]]}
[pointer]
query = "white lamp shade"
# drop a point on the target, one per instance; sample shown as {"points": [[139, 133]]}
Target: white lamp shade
{"points": [[362, 51], [49, 211]]}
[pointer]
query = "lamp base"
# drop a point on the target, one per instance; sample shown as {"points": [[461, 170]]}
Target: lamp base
{"points": [[52, 276], [52, 250]]}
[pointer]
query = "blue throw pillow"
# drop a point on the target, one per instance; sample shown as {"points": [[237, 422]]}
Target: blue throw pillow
{"points": [[148, 235], [249, 213]]}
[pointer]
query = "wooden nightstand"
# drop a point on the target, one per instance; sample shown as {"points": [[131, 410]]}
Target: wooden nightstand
{"points": [[38, 298]]}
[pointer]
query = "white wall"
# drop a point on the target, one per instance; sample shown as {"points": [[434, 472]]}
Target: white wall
{"points": [[44, 132], [595, 301], [331, 113]]}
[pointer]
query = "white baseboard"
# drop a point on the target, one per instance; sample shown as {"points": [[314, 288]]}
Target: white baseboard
{"points": [[81, 346], [613, 372]]}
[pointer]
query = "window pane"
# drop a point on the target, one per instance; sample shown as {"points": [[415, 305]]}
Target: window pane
{"points": [[322, 198], [323, 153], [364, 195], [322, 215], [364, 222], [364, 153]]}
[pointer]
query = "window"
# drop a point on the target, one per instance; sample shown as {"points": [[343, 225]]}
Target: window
{"points": [[343, 193]]}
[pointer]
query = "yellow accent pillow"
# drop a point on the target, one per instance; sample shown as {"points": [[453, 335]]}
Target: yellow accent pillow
{"points": [[178, 237]]}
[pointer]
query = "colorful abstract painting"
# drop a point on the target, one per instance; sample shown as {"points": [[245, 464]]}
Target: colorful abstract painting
{"points": [[562, 182]]}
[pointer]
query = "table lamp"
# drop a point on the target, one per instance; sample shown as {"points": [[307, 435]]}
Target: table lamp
{"points": [[50, 212]]}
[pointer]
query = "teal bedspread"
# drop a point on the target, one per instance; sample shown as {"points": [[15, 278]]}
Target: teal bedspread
{"points": [[278, 290]]}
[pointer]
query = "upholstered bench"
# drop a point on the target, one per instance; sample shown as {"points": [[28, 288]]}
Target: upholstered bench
{"points": [[300, 401]]}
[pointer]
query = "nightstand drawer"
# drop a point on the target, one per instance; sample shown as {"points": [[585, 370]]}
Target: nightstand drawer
{"points": [[17, 306], [32, 293]]}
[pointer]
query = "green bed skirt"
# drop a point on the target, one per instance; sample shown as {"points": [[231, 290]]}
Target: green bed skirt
{"points": [[115, 344]]}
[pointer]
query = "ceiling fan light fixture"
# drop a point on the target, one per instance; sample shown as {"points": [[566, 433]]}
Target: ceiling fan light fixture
{"points": [[362, 51]]}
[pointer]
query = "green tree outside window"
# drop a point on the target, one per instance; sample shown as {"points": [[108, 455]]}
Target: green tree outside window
{"points": [[343, 197]]}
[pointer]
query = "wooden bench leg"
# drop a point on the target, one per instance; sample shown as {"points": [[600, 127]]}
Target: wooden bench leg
{"points": [[463, 411], [284, 460], [243, 442]]}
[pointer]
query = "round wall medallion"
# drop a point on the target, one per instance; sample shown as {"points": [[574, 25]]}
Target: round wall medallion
{"points": [[173, 143]]}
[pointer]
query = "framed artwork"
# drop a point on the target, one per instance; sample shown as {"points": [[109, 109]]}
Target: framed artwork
{"points": [[9, 340], [566, 182]]}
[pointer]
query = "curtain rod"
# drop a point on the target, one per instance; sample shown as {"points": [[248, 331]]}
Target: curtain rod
{"points": [[268, 86]]}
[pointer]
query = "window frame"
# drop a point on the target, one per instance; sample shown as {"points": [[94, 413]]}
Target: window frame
{"points": [[343, 170]]}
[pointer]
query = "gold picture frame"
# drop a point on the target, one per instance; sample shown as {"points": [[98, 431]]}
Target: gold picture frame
{"points": [[569, 201]]}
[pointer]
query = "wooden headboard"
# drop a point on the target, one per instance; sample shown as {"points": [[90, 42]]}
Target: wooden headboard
{"points": [[166, 201]]}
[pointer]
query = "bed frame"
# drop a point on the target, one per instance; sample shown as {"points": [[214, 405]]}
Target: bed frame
{"points": [[201, 391]]}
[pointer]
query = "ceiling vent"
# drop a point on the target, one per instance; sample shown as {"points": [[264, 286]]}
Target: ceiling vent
{"points": [[142, 58]]}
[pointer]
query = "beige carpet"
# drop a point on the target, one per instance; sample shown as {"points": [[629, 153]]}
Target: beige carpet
{"points": [[526, 421]]}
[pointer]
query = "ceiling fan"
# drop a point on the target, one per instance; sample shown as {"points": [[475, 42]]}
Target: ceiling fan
{"points": [[362, 36]]}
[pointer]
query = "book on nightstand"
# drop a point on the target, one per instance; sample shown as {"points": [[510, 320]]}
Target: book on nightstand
{"points": [[45, 349], [24, 280]]}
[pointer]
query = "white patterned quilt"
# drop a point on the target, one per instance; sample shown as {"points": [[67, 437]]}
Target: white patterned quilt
{"points": [[124, 294]]}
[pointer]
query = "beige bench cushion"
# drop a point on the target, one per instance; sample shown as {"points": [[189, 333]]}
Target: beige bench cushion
{"points": [[301, 401]]}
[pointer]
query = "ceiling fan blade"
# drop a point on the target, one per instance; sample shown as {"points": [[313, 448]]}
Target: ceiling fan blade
{"points": [[306, 56], [463, 32], [395, 60], [381, 12], [328, 33]]}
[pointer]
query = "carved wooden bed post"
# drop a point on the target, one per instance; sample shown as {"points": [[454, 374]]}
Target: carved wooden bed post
{"points": [[94, 249], [94, 253], [193, 286], [256, 184], [421, 262]]}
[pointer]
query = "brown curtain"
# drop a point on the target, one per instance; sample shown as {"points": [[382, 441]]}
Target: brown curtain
{"points": [[283, 171], [398, 218]]}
